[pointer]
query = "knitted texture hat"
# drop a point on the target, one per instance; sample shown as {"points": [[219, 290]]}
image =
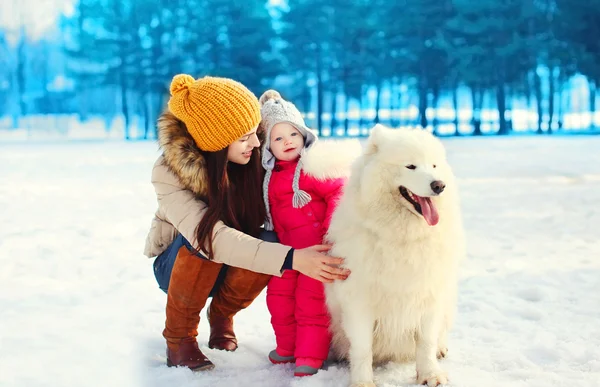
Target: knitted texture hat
{"points": [[216, 111], [275, 110]]}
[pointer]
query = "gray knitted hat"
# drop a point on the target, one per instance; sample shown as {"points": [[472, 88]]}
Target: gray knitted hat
{"points": [[275, 110]]}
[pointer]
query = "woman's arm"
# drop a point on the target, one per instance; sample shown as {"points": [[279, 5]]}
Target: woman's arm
{"points": [[232, 247]]}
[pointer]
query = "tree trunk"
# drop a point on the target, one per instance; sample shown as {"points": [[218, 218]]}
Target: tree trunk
{"points": [[509, 108], [159, 108], [476, 100], [45, 78], [434, 105], [401, 121], [456, 108], [551, 96], [423, 102], [501, 103], [344, 82], [378, 101], [146, 111], [319, 90], [20, 78], [559, 113], [592, 87], [361, 121], [538, 97], [347, 113], [124, 105], [333, 122], [394, 105], [529, 94], [305, 96], [121, 69]]}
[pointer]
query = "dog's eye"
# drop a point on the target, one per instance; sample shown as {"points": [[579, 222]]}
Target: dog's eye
{"points": [[411, 166], [434, 165]]}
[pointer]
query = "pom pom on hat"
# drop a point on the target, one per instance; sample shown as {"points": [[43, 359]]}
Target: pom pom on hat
{"points": [[181, 82], [269, 95]]}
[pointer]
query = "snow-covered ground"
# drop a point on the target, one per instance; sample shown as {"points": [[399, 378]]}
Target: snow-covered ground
{"points": [[79, 305]]}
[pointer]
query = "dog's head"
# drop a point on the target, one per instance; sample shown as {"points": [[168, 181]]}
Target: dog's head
{"points": [[410, 165]]}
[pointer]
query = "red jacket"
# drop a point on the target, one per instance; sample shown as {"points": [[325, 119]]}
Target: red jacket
{"points": [[306, 226]]}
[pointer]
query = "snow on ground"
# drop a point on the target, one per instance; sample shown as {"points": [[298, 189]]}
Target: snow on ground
{"points": [[79, 305]]}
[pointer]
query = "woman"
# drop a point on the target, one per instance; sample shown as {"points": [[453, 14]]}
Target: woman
{"points": [[210, 211]]}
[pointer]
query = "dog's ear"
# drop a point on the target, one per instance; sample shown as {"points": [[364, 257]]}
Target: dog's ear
{"points": [[376, 136]]}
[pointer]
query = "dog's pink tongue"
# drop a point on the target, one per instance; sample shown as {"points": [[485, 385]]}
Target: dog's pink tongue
{"points": [[429, 211]]}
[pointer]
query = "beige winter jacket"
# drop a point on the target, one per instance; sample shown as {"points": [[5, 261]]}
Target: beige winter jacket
{"points": [[180, 182]]}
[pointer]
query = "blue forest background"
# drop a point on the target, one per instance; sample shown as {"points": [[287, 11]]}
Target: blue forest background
{"points": [[101, 68]]}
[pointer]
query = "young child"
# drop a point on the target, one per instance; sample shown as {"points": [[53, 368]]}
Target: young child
{"points": [[302, 185]]}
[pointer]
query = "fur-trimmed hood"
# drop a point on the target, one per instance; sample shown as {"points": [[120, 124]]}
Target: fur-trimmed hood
{"points": [[324, 160], [181, 155]]}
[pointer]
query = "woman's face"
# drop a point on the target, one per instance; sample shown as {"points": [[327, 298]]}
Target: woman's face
{"points": [[240, 151]]}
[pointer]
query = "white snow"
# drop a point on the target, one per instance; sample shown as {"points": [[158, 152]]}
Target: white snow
{"points": [[79, 305]]}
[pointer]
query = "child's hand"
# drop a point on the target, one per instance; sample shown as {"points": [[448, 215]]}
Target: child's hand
{"points": [[314, 263]]}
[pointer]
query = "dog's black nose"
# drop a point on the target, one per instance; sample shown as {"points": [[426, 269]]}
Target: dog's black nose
{"points": [[438, 186]]}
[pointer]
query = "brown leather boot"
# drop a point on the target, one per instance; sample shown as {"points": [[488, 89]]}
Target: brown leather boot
{"points": [[192, 279], [239, 288], [188, 355]]}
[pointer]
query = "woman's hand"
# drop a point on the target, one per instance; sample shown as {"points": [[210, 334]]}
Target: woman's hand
{"points": [[313, 263]]}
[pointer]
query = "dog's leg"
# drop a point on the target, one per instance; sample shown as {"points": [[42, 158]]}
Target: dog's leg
{"points": [[447, 323], [442, 351], [442, 348], [428, 368], [358, 322]]}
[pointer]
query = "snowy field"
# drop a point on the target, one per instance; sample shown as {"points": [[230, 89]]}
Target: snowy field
{"points": [[79, 305]]}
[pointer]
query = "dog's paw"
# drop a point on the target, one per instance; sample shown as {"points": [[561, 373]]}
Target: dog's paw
{"points": [[442, 353], [432, 379], [363, 384]]}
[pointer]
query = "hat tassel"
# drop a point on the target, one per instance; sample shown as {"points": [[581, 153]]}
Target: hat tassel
{"points": [[269, 224], [301, 198]]}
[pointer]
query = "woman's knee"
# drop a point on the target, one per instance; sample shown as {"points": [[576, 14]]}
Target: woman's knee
{"points": [[163, 264]]}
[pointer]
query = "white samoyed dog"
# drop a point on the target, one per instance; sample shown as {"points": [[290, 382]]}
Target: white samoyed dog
{"points": [[398, 226]]}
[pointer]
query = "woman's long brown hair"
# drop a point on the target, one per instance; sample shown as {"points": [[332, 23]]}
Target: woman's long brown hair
{"points": [[234, 197]]}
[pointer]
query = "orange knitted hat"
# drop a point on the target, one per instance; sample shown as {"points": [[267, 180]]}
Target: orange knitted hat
{"points": [[216, 111]]}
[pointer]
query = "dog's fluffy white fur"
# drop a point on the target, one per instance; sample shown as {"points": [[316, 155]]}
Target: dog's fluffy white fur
{"points": [[399, 301], [330, 159]]}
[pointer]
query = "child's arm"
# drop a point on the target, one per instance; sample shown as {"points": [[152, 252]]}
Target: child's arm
{"points": [[331, 191]]}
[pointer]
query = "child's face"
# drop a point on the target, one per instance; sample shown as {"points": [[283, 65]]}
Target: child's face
{"points": [[286, 142]]}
